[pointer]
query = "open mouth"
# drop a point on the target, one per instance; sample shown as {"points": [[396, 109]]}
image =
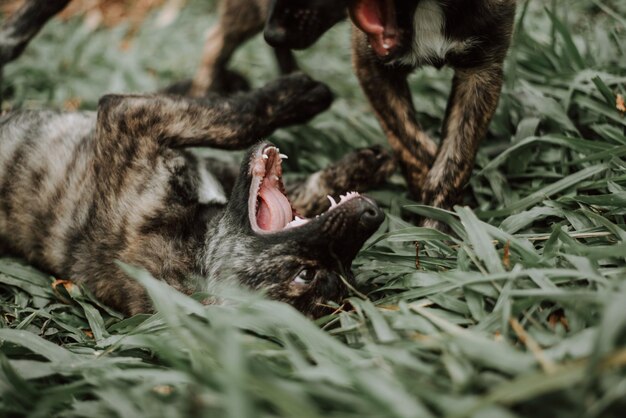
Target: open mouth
{"points": [[378, 20], [269, 208]]}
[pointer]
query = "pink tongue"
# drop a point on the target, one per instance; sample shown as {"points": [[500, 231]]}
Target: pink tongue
{"points": [[274, 209], [377, 19]]}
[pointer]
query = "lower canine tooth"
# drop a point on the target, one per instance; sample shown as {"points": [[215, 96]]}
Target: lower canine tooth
{"points": [[333, 203]]}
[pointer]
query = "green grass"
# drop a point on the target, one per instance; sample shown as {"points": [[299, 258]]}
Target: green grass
{"points": [[521, 314]]}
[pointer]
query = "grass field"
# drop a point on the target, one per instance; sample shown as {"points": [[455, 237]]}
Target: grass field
{"points": [[522, 313]]}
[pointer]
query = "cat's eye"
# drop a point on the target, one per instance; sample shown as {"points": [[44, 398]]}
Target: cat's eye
{"points": [[304, 277]]}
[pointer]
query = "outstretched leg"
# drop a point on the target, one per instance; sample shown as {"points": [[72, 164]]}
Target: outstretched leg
{"points": [[389, 95], [157, 121], [359, 171], [472, 103]]}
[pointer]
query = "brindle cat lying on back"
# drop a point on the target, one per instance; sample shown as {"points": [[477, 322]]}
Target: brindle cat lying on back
{"points": [[79, 191]]}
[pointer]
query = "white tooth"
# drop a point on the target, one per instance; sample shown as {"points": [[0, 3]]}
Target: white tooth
{"points": [[275, 177], [333, 203], [296, 222], [265, 156], [386, 46], [283, 156]]}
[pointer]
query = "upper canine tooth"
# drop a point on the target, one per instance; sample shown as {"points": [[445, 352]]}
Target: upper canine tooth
{"points": [[283, 156]]}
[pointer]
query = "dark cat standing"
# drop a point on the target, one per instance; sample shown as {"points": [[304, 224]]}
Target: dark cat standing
{"points": [[394, 37]]}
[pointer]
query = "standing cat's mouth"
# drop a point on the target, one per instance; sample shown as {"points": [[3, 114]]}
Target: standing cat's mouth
{"points": [[378, 20]]}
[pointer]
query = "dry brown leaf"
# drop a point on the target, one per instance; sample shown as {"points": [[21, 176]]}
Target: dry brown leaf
{"points": [[67, 284], [72, 104], [620, 104], [506, 257]]}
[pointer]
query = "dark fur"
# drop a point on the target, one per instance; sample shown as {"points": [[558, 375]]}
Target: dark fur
{"points": [[436, 175], [80, 191], [308, 18]]}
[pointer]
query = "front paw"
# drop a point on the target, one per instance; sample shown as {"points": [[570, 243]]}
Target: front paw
{"points": [[296, 98], [358, 171]]}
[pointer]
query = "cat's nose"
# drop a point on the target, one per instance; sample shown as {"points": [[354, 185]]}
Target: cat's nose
{"points": [[371, 216], [275, 35]]}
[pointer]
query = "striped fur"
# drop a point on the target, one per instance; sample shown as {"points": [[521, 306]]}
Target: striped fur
{"points": [[79, 191]]}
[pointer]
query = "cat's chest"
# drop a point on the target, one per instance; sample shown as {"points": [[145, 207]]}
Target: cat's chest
{"points": [[430, 43]]}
